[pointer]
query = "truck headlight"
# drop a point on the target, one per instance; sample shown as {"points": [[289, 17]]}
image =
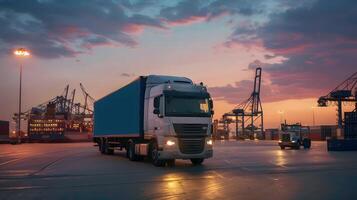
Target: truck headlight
{"points": [[170, 143], [293, 141], [209, 142], [280, 141]]}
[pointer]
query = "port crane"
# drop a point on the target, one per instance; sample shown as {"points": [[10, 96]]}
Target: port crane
{"points": [[87, 98], [63, 104], [344, 92], [249, 111]]}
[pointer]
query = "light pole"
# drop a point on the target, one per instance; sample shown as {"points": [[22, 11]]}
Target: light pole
{"points": [[313, 115], [22, 52], [281, 112]]}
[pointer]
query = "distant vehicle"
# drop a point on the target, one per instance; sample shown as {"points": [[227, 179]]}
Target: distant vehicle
{"points": [[294, 136], [160, 117]]}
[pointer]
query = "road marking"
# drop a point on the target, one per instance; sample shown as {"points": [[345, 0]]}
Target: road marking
{"points": [[227, 161], [10, 161]]}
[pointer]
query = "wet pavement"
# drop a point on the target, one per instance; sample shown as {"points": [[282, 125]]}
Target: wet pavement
{"points": [[238, 170]]}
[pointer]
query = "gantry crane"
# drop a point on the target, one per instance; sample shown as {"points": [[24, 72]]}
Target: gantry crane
{"points": [[344, 92], [250, 110], [63, 104], [86, 98]]}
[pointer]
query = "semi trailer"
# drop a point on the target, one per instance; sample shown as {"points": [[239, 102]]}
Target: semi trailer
{"points": [[162, 118]]}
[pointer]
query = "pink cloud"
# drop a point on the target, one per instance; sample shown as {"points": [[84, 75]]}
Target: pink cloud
{"points": [[186, 21]]}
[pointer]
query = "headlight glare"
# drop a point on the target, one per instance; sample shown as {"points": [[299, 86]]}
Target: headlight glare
{"points": [[170, 143]]}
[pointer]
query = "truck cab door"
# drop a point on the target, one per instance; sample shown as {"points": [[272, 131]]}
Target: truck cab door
{"points": [[156, 115]]}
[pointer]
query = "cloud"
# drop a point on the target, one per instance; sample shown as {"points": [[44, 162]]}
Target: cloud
{"points": [[188, 11], [241, 90], [318, 41], [53, 29]]}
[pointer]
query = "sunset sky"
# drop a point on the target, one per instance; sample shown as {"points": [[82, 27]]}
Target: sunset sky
{"points": [[305, 49]]}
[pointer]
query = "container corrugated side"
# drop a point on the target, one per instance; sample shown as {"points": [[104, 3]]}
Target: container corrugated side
{"points": [[121, 112]]}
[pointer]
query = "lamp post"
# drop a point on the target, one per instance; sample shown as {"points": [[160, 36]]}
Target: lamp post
{"points": [[313, 115], [281, 113], [22, 52]]}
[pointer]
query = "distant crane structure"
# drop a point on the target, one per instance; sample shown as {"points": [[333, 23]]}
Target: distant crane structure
{"points": [[64, 105], [344, 92], [249, 111], [87, 99]]}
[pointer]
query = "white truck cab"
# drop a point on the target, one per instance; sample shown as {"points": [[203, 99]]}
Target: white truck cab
{"points": [[179, 118], [292, 135]]}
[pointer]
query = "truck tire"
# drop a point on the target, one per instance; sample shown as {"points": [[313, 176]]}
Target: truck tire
{"points": [[108, 150], [155, 155], [102, 146], [282, 147], [131, 152], [197, 161], [307, 143]]}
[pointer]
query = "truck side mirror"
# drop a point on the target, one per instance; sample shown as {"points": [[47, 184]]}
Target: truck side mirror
{"points": [[212, 112], [156, 111], [210, 102], [157, 102]]}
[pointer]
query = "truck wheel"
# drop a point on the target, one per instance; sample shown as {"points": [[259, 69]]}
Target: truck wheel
{"points": [[131, 152], [155, 156], [102, 146], [307, 143], [108, 151], [197, 161], [282, 147]]}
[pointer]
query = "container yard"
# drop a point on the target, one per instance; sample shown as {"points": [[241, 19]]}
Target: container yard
{"points": [[60, 119], [180, 100]]}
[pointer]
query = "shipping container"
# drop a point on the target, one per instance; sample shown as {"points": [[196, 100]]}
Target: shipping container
{"points": [[272, 134], [350, 131], [322, 132], [121, 113], [4, 128]]}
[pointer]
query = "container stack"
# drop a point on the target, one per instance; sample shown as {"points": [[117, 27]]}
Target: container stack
{"points": [[350, 125]]}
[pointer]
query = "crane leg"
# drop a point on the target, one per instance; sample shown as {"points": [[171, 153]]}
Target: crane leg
{"points": [[339, 110]]}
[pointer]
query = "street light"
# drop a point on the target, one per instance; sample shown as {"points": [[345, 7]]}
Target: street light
{"points": [[281, 113], [22, 52], [313, 115]]}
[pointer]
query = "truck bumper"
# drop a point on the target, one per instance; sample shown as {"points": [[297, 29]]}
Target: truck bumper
{"points": [[173, 151], [289, 144]]}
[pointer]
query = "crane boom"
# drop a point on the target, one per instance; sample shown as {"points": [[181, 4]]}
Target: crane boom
{"points": [[344, 92], [250, 109]]}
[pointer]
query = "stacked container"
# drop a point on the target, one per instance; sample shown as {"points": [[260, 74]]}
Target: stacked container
{"points": [[350, 125]]}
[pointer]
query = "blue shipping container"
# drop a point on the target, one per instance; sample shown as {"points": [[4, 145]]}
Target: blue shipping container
{"points": [[121, 113]]}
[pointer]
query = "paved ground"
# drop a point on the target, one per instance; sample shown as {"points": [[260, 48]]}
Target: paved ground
{"points": [[238, 170]]}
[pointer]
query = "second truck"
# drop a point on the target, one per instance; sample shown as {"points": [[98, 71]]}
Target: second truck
{"points": [[160, 117]]}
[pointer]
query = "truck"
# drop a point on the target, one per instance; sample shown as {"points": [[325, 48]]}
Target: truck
{"points": [[161, 118], [294, 136]]}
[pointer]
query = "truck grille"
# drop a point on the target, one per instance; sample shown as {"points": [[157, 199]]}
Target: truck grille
{"points": [[191, 129], [285, 137], [191, 146]]}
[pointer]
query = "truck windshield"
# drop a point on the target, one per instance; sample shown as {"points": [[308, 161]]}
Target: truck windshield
{"points": [[187, 106]]}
